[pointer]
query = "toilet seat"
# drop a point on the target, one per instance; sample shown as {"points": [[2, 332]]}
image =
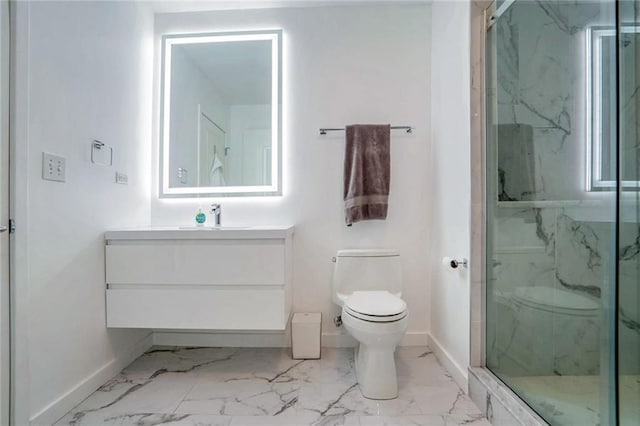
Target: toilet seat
{"points": [[375, 306], [374, 318]]}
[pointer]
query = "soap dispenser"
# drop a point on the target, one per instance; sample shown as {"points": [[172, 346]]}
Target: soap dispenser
{"points": [[201, 217]]}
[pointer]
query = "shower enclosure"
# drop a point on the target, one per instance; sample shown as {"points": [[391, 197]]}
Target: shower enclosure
{"points": [[562, 312]]}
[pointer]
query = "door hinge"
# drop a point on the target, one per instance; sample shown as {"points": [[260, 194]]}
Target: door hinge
{"points": [[12, 226]]}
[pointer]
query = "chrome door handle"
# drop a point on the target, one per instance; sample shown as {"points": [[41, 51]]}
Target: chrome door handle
{"points": [[3, 228]]}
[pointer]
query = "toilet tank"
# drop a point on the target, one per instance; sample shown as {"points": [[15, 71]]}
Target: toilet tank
{"points": [[366, 270]]}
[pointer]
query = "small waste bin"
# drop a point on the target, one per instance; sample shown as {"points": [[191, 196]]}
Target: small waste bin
{"points": [[305, 335]]}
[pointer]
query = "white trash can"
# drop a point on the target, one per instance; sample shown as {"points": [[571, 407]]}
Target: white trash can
{"points": [[305, 335]]}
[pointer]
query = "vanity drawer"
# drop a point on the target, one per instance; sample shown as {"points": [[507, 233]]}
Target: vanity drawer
{"points": [[225, 279], [197, 309], [259, 262]]}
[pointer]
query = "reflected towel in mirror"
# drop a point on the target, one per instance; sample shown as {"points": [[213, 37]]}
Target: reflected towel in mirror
{"points": [[216, 175]]}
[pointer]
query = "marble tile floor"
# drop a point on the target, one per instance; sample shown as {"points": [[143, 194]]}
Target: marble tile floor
{"points": [[577, 400], [264, 386]]}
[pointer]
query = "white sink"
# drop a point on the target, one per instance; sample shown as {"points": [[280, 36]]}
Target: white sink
{"points": [[214, 228], [200, 233]]}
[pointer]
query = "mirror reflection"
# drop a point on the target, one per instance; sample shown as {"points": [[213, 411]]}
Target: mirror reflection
{"points": [[221, 101], [604, 86]]}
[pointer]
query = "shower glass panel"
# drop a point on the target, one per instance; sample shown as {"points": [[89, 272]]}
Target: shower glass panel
{"points": [[629, 240], [551, 232]]}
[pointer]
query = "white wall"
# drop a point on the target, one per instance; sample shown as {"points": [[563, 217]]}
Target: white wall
{"points": [[367, 64], [450, 184], [83, 72], [191, 87]]}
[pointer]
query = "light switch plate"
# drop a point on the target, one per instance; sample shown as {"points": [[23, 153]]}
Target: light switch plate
{"points": [[54, 167], [122, 178]]}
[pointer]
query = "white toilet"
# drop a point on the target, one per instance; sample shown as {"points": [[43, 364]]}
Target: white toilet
{"points": [[368, 285]]}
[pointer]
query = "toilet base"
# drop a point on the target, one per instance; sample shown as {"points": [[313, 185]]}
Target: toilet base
{"points": [[375, 362], [376, 372]]}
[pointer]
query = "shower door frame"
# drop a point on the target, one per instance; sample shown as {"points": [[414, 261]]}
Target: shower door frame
{"points": [[480, 12], [485, 388], [482, 17], [6, 290], [494, 392]]}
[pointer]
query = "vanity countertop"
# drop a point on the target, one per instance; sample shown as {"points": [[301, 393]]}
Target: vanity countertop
{"points": [[200, 233]]}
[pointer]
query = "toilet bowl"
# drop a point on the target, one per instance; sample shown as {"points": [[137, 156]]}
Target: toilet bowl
{"points": [[377, 330], [367, 285]]}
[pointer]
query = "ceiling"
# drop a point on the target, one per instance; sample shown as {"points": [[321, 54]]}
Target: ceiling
{"points": [[175, 6]]}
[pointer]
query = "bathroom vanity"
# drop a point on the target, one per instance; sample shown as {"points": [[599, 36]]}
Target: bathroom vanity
{"points": [[199, 278]]}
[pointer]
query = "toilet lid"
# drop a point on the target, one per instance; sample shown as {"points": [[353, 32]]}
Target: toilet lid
{"points": [[375, 303]]}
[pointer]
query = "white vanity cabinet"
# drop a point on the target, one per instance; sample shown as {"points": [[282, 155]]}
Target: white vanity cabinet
{"points": [[225, 279]]}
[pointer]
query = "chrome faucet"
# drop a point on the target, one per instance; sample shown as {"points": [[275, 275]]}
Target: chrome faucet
{"points": [[216, 211]]}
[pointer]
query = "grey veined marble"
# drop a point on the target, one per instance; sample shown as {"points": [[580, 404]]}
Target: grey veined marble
{"points": [[230, 386], [554, 248]]}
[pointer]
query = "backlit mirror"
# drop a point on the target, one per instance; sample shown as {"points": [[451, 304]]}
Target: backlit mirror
{"points": [[221, 114], [606, 98]]}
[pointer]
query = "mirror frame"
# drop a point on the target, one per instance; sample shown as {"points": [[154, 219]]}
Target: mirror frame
{"points": [[594, 175], [275, 189]]}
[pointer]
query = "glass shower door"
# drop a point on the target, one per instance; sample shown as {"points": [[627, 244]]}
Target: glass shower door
{"points": [[629, 242], [551, 207]]}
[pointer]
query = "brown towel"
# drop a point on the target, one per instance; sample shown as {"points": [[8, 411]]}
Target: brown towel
{"points": [[367, 172]]}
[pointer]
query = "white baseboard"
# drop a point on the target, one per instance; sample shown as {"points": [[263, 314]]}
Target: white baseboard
{"points": [[239, 339], [61, 406], [217, 339], [265, 340], [458, 373]]}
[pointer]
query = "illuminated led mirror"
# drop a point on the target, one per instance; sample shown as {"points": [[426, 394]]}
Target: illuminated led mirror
{"points": [[221, 120]]}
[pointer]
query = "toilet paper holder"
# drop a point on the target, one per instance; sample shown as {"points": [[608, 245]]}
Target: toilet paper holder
{"points": [[455, 263]]}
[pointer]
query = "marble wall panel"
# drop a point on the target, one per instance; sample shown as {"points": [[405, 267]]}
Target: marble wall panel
{"points": [[540, 82], [584, 255], [629, 299]]}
